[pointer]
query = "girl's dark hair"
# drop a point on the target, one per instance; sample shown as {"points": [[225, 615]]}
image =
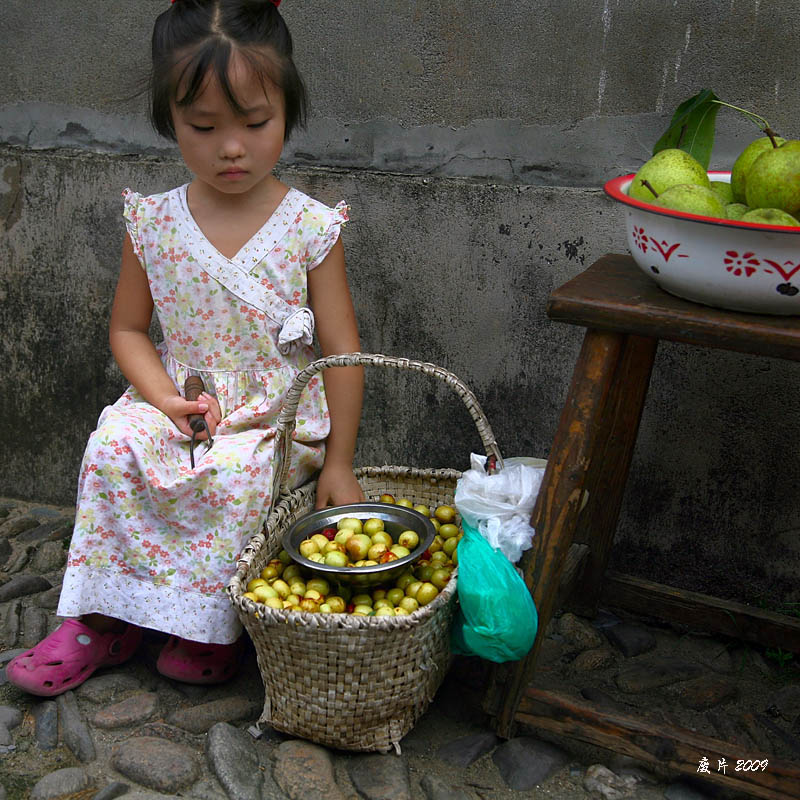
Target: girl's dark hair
{"points": [[194, 36]]}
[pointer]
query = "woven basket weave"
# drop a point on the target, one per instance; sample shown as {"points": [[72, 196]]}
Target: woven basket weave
{"points": [[349, 682]]}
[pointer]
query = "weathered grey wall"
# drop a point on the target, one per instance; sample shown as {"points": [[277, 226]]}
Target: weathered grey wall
{"points": [[472, 140]]}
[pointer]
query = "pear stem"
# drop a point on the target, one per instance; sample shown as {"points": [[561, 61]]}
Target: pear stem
{"points": [[771, 133], [647, 185], [760, 121]]}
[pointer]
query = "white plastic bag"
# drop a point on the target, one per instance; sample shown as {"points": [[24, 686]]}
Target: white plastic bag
{"points": [[500, 505]]}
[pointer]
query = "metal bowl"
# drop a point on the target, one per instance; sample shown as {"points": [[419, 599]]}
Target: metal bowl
{"points": [[396, 519]]}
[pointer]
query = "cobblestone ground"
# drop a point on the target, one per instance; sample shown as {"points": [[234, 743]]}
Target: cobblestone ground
{"points": [[130, 732]]}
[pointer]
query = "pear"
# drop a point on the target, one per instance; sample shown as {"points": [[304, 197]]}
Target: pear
{"points": [[745, 161], [736, 210], [724, 190], [773, 180], [692, 199], [667, 168], [770, 216]]}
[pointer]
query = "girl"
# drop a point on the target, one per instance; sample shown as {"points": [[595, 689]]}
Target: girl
{"points": [[239, 268]]}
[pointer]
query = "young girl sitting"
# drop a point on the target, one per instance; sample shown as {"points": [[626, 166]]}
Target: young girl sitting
{"points": [[240, 268]]}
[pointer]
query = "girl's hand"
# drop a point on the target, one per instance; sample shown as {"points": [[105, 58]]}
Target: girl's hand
{"points": [[178, 409], [337, 486], [138, 358]]}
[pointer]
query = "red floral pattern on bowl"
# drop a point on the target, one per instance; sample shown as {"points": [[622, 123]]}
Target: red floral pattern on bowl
{"points": [[729, 264]]}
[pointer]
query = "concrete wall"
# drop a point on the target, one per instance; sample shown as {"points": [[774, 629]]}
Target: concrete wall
{"points": [[472, 140]]}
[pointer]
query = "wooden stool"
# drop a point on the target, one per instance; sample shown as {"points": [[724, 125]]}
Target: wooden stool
{"points": [[625, 314]]}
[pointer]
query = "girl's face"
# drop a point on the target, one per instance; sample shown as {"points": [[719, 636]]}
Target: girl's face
{"points": [[232, 153]]}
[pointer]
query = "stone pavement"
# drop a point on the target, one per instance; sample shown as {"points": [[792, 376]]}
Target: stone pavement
{"points": [[130, 732]]}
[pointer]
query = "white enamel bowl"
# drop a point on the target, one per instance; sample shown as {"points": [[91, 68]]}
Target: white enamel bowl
{"points": [[740, 266]]}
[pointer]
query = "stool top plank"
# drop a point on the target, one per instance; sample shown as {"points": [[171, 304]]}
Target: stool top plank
{"points": [[615, 295]]}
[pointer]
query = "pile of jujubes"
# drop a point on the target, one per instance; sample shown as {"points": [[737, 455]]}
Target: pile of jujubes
{"points": [[354, 543]]}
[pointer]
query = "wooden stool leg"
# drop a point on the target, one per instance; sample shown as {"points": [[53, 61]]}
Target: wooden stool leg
{"points": [[558, 505], [610, 462]]}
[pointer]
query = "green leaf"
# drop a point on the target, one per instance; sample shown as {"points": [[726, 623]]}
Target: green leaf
{"points": [[692, 127]]}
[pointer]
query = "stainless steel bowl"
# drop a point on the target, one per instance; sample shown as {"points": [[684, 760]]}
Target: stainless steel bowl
{"points": [[396, 519]]}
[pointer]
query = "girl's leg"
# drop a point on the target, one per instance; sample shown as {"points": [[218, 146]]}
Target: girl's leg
{"points": [[104, 624]]}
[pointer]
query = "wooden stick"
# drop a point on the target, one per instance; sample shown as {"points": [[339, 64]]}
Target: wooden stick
{"points": [[670, 747], [558, 504], [572, 573], [702, 611], [611, 458]]}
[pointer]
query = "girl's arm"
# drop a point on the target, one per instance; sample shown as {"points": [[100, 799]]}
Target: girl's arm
{"points": [[337, 332], [134, 351]]}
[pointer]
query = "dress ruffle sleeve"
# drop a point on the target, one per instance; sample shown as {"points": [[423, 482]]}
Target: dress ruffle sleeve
{"points": [[328, 235], [132, 213]]}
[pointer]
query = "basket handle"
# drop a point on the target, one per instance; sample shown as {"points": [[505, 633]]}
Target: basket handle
{"points": [[288, 413]]}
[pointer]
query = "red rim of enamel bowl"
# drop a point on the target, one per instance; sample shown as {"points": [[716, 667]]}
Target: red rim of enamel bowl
{"points": [[615, 188]]}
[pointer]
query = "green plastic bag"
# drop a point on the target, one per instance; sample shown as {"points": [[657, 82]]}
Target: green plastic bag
{"points": [[497, 618]]}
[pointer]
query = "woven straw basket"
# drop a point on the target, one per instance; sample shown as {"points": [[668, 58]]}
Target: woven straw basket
{"points": [[349, 682]]}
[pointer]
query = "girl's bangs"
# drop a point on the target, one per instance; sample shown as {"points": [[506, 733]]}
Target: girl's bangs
{"points": [[215, 57]]}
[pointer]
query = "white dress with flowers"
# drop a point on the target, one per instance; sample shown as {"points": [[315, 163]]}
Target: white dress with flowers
{"points": [[156, 541]]}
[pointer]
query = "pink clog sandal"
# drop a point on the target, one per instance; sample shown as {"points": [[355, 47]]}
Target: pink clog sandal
{"points": [[195, 662], [68, 656]]}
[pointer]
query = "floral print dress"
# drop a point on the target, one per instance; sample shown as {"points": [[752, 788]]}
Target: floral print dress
{"points": [[156, 541]]}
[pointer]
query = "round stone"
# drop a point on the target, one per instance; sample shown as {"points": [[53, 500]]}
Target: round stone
{"points": [[157, 763], [61, 783]]}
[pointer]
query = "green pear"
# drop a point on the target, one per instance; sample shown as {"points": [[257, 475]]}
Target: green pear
{"points": [[692, 199], [724, 190], [666, 168], [773, 181], [736, 210], [745, 161], [770, 216]]}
